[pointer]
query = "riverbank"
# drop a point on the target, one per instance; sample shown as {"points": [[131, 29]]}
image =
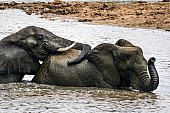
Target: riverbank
{"points": [[138, 14]]}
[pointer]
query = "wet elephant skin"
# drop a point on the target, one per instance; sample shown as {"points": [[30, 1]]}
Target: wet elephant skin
{"points": [[107, 66]]}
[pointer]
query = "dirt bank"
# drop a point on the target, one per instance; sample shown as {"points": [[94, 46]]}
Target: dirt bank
{"points": [[139, 14]]}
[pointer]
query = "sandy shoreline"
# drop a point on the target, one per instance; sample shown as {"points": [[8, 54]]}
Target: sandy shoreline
{"points": [[139, 14]]}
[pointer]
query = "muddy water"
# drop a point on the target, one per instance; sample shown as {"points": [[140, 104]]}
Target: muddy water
{"points": [[29, 97]]}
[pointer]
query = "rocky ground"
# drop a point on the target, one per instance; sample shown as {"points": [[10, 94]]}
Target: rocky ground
{"points": [[137, 14]]}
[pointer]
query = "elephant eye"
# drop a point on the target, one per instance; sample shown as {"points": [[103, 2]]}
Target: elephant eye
{"points": [[129, 70], [40, 39]]}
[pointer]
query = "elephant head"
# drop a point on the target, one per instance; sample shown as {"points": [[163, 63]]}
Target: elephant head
{"points": [[40, 43], [124, 65]]}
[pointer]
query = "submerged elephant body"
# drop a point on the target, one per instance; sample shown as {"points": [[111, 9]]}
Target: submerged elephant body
{"points": [[55, 71], [107, 66], [21, 52]]}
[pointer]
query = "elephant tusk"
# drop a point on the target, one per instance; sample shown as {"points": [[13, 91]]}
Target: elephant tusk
{"points": [[66, 48]]}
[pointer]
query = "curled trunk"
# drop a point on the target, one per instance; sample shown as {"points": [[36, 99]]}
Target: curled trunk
{"points": [[85, 50], [150, 84], [153, 73]]}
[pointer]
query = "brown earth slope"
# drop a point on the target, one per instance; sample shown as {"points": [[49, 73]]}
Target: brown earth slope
{"points": [[138, 14]]}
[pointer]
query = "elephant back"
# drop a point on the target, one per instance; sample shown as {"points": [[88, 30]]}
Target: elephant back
{"points": [[55, 71], [54, 67], [64, 57]]}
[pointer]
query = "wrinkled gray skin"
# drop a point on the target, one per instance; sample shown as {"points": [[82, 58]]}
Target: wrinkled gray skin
{"points": [[106, 66], [21, 52]]}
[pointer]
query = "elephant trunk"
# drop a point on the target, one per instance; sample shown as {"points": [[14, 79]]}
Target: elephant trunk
{"points": [[85, 50], [153, 73], [150, 84]]}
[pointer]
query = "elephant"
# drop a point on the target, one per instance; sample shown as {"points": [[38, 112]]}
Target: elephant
{"points": [[21, 52], [119, 65]]}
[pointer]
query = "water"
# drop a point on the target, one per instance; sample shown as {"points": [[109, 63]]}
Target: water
{"points": [[30, 97]]}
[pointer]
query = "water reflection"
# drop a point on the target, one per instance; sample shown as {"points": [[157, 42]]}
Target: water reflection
{"points": [[31, 97]]}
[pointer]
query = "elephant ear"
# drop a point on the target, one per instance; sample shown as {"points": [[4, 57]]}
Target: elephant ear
{"points": [[13, 38], [101, 56], [126, 48], [123, 57], [124, 43], [125, 53]]}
